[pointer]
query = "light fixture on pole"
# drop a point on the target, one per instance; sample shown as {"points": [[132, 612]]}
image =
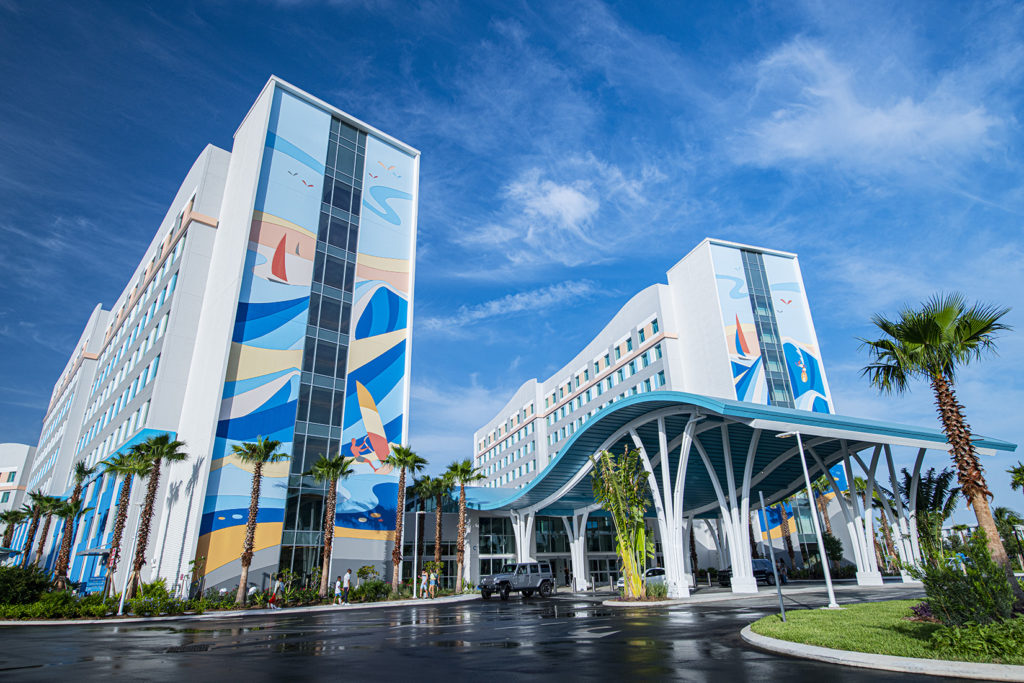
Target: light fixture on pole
{"points": [[832, 604], [416, 552]]}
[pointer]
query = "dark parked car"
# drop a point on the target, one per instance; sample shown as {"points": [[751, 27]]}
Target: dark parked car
{"points": [[762, 572]]}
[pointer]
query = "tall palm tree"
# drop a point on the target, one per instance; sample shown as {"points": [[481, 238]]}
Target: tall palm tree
{"points": [[157, 450], [12, 518], [127, 466], [462, 472], [50, 505], [442, 489], [81, 473], [424, 489], [1006, 520], [329, 470], [935, 502], [821, 486], [1016, 476], [258, 454], [70, 511], [405, 460], [33, 510], [931, 343]]}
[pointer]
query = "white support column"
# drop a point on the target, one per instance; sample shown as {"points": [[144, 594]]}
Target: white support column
{"points": [[858, 548], [902, 526], [868, 575], [915, 480], [522, 528], [869, 515]]}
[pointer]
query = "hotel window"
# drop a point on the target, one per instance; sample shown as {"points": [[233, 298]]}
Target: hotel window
{"points": [[657, 352], [645, 359], [618, 353], [654, 326], [597, 368], [621, 374], [632, 367], [641, 335], [661, 378], [647, 384], [629, 344], [607, 360]]}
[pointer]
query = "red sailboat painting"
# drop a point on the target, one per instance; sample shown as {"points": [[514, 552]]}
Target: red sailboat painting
{"points": [[277, 268]]}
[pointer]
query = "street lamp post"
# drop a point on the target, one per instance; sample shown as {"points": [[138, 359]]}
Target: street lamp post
{"points": [[771, 553], [416, 552], [832, 604]]}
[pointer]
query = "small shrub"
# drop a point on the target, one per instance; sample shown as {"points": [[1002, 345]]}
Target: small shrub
{"points": [[978, 592], [999, 641], [370, 591], [367, 573], [22, 585], [922, 611], [658, 591]]}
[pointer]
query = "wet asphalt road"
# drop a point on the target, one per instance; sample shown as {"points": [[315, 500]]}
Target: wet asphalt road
{"points": [[566, 637]]}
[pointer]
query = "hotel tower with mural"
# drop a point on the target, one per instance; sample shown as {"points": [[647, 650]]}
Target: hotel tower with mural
{"points": [[274, 301]]}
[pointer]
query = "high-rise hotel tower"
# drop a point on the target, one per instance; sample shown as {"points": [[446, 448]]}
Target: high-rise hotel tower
{"points": [[274, 301]]}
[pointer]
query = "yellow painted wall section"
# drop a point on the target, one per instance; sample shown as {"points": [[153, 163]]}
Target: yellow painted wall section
{"points": [[372, 534], [225, 545]]}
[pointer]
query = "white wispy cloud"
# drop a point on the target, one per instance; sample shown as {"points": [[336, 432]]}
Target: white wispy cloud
{"points": [[808, 106], [465, 318]]}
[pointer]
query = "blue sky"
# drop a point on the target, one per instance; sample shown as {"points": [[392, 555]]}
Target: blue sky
{"points": [[572, 152]]}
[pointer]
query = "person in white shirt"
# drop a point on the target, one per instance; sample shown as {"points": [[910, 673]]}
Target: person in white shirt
{"points": [[337, 591], [347, 583]]}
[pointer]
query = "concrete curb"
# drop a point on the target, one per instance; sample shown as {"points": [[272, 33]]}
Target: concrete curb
{"points": [[865, 660], [233, 614], [698, 599]]}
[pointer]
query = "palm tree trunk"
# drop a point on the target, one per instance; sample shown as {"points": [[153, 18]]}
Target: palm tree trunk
{"points": [[421, 524], [9, 535], [823, 509], [64, 558], [27, 548], [329, 510], [437, 530], [693, 550], [460, 550], [42, 539], [784, 523], [119, 523], [971, 475], [145, 522], [250, 533], [396, 550]]}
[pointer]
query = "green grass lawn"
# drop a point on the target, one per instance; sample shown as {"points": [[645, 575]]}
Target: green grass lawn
{"points": [[876, 627]]}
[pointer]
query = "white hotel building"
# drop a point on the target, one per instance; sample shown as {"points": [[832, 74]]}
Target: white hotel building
{"points": [[679, 336]]}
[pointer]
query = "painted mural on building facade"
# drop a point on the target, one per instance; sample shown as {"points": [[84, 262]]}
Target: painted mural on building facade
{"points": [[377, 388], [799, 343], [261, 385]]}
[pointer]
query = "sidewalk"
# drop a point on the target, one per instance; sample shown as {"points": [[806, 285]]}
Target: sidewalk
{"points": [[698, 598], [235, 613]]}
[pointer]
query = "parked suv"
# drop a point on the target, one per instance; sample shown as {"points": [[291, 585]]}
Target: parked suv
{"points": [[526, 578], [762, 572]]}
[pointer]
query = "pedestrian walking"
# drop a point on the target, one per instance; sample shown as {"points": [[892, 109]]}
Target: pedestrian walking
{"points": [[423, 584], [567, 580], [433, 584], [275, 593], [346, 584], [337, 591]]}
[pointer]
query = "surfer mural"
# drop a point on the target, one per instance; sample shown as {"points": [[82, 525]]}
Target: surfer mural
{"points": [[377, 387]]}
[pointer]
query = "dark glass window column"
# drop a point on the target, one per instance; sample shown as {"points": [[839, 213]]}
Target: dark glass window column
{"points": [[780, 393], [325, 356]]}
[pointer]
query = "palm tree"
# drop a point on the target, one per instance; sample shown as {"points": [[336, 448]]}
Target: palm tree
{"points": [[82, 472], [49, 506], [258, 453], [405, 460], [820, 486], [329, 470], [931, 343], [442, 489], [12, 518], [33, 510], [935, 502], [127, 466], [70, 511], [1006, 520], [462, 472], [156, 449], [1016, 476], [424, 490]]}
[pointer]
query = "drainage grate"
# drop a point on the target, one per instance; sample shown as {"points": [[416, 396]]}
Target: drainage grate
{"points": [[199, 647]]}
